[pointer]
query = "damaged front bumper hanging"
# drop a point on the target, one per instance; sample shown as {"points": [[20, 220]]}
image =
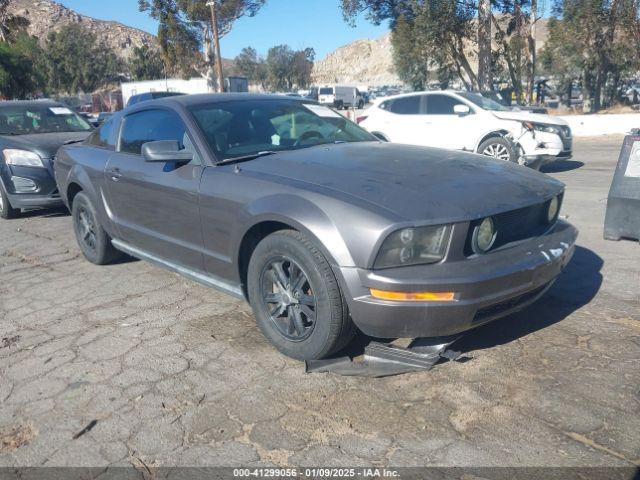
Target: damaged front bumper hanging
{"points": [[386, 359]]}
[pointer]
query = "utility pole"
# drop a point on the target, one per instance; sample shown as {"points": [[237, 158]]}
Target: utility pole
{"points": [[531, 43], [216, 43], [485, 81]]}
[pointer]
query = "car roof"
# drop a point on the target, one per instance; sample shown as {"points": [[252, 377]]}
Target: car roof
{"points": [[26, 103], [380, 100], [205, 98], [201, 98]]}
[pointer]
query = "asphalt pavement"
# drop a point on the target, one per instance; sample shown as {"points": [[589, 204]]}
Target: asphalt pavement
{"points": [[132, 365]]}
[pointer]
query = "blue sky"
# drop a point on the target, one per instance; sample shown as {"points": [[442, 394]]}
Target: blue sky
{"points": [[298, 23]]}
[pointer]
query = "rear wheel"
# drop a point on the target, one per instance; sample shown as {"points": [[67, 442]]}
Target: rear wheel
{"points": [[6, 210], [93, 240], [499, 148], [296, 298]]}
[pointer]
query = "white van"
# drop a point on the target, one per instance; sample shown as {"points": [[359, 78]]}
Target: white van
{"points": [[341, 97]]}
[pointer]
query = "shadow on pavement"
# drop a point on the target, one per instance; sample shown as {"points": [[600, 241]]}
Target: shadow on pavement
{"points": [[575, 288], [45, 213], [561, 166]]}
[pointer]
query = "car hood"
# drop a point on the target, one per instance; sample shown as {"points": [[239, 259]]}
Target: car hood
{"points": [[412, 183], [44, 144], [527, 116]]}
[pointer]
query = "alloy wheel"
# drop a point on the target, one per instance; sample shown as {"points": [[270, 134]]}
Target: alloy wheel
{"points": [[87, 228], [289, 298], [497, 150]]}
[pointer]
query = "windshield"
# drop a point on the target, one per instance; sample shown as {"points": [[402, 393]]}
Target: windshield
{"points": [[326, 91], [240, 128], [33, 118], [483, 102]]}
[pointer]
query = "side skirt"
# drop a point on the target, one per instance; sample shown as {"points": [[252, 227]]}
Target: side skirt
{"points": [[207, 280]]}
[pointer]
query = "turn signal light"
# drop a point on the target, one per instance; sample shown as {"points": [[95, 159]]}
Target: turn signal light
{"points": [[413, 296]]}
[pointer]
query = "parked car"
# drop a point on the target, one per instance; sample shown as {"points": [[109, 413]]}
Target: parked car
{"points": [[341, 97], [319, 225], [310, 94], [468, 121], [30, 134], [103, 117], [145, 97]]}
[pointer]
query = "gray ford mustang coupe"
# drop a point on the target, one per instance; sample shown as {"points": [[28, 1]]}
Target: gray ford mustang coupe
{"points": [[318, 224]]}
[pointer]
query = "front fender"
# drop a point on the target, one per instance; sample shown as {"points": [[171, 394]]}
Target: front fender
{"points": [[304, 216]]}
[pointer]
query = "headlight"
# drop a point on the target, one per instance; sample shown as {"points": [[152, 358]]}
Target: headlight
{"points": [[542, 127], [414, 246], [554, 209], [22, 158], [484, 236]]}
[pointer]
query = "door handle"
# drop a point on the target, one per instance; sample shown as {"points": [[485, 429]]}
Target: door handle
{"points": [[115, 174]]}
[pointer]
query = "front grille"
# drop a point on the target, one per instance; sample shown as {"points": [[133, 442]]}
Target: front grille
{"points": [[516, 225], [498, 309]]}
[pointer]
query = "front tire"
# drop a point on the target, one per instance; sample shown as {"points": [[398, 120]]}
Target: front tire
{"points": [[296, 298], [93, 240], [7, 212], [499, 148]]}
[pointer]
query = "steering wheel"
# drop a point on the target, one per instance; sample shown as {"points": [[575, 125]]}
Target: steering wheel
{"points": [[307, 136]]}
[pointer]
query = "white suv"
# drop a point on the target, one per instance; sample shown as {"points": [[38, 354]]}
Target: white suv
{"points": [[468, 121]]}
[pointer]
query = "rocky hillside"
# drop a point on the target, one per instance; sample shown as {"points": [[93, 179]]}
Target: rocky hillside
{"points": [[370, 62], [47, 15], [363, 62]]}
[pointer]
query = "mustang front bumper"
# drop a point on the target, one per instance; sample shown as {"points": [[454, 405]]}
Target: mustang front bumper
{"points": [[487, 287]]}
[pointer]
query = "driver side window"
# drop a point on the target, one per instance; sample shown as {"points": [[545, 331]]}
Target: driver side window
{"points": [[152, 126]]}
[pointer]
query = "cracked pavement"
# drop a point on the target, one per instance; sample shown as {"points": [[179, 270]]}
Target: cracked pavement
{"points": [[176, 374]]}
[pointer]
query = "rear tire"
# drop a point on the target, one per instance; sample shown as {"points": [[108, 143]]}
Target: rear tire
{"points": [[93, 240], [7, 212], [499, 148], [296, 299]]}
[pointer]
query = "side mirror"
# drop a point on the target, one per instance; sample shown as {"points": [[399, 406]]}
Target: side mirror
{"points": [[165, 151], [461, 110]]}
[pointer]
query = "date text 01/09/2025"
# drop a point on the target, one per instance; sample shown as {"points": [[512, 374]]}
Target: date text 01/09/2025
{"points": [[315, 473]]}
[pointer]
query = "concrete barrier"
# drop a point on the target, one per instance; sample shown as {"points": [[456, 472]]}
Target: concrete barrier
{"points": [[593, 125]]}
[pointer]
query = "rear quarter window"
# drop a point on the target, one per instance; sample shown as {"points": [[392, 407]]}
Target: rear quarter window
{"points": [[405, 105], [104, 137]]}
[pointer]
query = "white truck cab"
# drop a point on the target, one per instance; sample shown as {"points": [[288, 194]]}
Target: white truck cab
{"points": [[340, 97]]}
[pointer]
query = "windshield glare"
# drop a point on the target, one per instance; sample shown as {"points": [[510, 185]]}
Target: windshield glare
{"points": [[239, 128], [30, 119], [483, 102]]}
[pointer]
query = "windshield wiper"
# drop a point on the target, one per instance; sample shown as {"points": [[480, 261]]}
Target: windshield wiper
{"points": [[246, 158]]}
